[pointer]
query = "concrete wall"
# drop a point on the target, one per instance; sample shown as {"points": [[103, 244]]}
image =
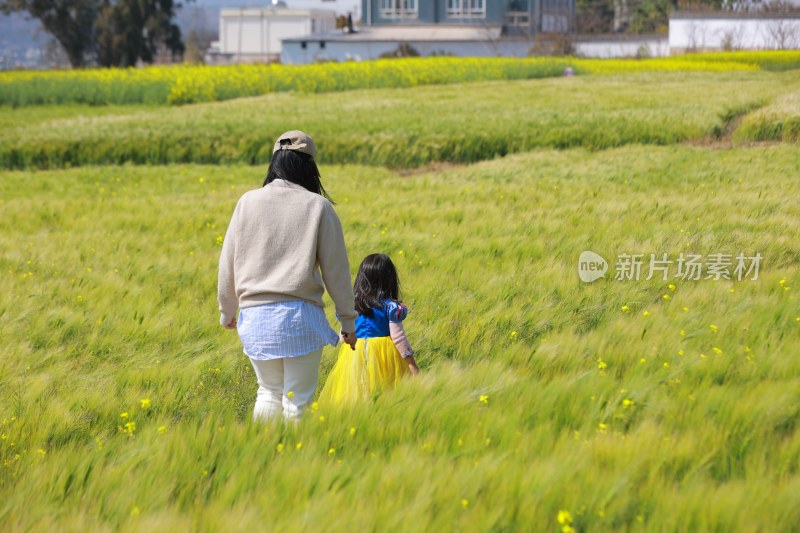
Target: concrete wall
{"points": [[254, 32], [711, 34], [293, 52], [604, 49]]}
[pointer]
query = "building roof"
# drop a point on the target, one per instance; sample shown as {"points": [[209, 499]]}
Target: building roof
{"points": [[744, 15], [274, 12], [395, 34]]}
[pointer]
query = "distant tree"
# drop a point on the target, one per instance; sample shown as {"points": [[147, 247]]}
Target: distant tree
{"points": [[651, 16], [197, 42], [402, 50], [594, 16], [131, 30], [70, 22], [108, 32]]}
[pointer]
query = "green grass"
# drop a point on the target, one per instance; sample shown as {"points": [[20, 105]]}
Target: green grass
{"points": [[187, 84], [403, 128], [107, 283], [773, 60], [779, 121], [53, 116]]}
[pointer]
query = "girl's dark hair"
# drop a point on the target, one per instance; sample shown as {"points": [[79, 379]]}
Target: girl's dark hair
{"points": [[376, 279], [298, 168]]}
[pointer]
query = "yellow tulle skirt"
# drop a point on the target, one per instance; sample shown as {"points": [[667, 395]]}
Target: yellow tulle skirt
{"points": [[358, 374]]}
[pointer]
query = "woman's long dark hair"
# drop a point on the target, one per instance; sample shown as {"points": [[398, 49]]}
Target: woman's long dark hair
{"points": [[298, 168], [376, 279]]}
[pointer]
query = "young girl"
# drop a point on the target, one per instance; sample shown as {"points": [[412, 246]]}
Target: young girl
{"points": [[382, 353]]}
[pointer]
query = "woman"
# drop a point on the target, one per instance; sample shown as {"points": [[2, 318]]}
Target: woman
{"points": [[284, 240]]}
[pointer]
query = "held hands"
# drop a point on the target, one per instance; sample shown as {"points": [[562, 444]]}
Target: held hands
{"points": [[349, 338]]}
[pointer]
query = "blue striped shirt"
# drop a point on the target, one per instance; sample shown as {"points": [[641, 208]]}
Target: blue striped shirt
{"points": [[284, 329]]}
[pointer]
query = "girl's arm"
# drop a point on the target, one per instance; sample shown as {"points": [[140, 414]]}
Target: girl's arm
{"points": [[398, 334]]}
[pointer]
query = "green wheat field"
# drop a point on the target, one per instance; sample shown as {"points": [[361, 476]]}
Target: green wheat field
{"points": [[545, 403]]}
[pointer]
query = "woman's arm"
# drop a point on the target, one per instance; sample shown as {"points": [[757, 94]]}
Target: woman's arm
{"points": [[226, 289], [335, 268]]}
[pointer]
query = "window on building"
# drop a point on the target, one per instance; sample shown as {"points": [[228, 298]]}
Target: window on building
{"points": [[394, 9], [466, 8]]}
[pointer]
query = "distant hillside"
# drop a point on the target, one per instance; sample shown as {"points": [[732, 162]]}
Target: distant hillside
{"points": [[23, 44], [21, 41]]}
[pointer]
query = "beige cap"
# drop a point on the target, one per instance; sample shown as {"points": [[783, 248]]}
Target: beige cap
{"points": [[295, 140]]}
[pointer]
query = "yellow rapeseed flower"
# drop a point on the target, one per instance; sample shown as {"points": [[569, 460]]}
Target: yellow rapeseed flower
{"points": [[145, 403], [713, 328], [484, 399], [564, 517]]}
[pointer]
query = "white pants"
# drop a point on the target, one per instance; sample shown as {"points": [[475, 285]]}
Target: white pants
{"points": [[277, 378]]}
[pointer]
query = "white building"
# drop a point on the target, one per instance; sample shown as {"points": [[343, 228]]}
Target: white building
{"points": [[707, 32], [254, 35]]}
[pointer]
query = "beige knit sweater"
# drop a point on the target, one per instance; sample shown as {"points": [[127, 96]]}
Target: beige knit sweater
{"points": [[282, 243]]}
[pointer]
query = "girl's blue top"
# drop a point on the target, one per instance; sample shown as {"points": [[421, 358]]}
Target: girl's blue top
{"points": [[377, 325]]}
